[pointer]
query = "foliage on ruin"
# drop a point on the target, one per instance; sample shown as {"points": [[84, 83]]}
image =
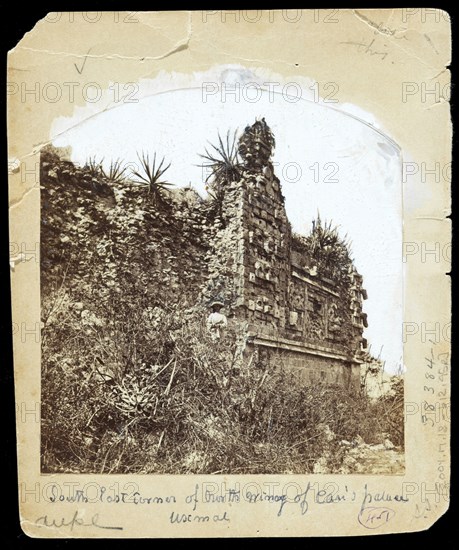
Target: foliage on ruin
{"points": [[222, 160], [150, 174], [327, 250], [116, 172], [94, 167]]}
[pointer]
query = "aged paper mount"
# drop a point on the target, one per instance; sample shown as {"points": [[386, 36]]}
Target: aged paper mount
{"points": [[193, 357]]}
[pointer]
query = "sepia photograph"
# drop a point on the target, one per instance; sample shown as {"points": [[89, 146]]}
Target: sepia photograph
{"points": [[206, 264], [230, 257]]}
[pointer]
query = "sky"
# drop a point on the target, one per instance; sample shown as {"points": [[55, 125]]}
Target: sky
{"points": [[331, 158]]}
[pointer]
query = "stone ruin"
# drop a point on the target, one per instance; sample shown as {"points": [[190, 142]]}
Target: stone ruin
{"points": [[293, 314]]}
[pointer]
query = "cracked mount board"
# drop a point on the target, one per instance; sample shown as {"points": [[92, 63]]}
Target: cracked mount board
{"points": [[323, 115]]}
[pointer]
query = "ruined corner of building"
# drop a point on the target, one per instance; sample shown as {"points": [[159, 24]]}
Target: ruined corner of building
{"points": [[295, 313]]}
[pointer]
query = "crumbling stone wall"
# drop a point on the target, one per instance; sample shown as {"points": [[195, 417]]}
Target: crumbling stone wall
{"points": [[239, 250], [225, 257]]}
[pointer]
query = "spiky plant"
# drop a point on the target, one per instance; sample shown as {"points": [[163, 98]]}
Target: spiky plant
{"points": [[150, 174], [116, 172], [330, 252], [223, 160], [94, 167]]}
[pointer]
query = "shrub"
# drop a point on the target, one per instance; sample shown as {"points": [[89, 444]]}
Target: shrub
{"points": [[115, 173], [150, 175], [328, 251], [222, 162], [159, 396]]}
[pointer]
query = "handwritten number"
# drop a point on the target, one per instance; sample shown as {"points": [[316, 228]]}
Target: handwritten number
{"points": [[425, 418]]}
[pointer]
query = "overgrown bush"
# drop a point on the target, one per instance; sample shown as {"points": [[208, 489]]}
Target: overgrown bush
{"points": [[327, 250], [154, 394]]}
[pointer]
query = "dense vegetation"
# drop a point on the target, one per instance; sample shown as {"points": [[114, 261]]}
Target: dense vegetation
{"points": [[130, 379]]}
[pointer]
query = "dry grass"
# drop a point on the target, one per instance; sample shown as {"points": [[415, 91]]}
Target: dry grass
{"points": [[164, 399]]}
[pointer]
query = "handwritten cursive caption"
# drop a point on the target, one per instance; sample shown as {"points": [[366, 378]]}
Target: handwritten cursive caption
{"points": [[73, 521], [213, 503]]}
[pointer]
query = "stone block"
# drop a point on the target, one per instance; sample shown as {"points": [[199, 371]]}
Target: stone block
{"points": [[239, 301], [293, 318]]}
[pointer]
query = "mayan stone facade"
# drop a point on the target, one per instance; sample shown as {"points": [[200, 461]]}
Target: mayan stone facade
{"points": [[293, 314]]}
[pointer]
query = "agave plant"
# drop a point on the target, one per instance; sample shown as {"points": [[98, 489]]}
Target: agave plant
{"points": [[151, 175], [223, 160], [94, 167], [115, 173]]}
